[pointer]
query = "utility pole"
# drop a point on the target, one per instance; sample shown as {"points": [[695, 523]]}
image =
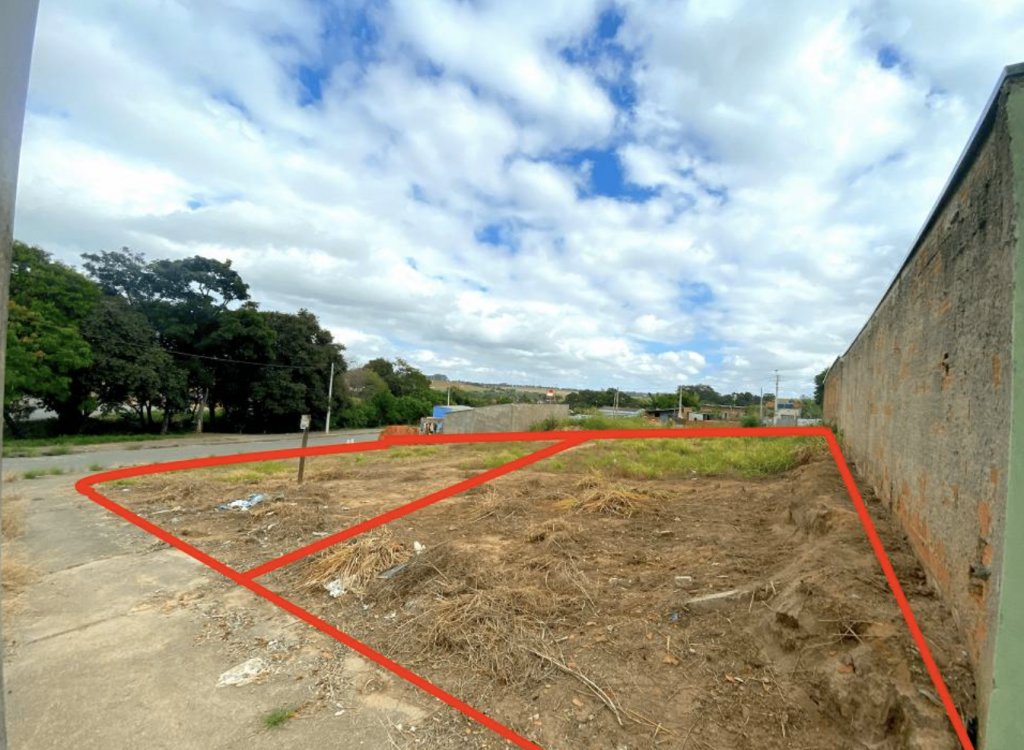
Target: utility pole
{"points": [[775, 412], [449, 395], [762, 405], [17, 32], [679, 414], [330, 395], [616, 407]]}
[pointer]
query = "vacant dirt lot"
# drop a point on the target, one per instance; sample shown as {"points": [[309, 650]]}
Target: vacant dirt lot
{"points": [[663, 594]]}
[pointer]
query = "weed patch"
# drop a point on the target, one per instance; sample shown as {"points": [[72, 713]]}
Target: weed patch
{"points": [[422, 451], [253, 472], [50, 472], [278, 718], [654, 459]]}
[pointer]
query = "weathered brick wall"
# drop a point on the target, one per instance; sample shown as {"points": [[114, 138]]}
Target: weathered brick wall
{"points": [[922, 397]]}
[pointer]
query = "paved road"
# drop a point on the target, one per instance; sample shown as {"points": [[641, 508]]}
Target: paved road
{"points": [[147, 452]]}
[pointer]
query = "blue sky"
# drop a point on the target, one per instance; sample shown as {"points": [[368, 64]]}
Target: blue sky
{"points": [[589, 194]]}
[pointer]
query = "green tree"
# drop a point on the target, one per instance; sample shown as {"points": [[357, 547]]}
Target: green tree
{"points": [[363, 383], [242, 335], [402, 378], [705, 394], [819, 387], [384, 368], [184, 300], [46, 353], [129, 367], [298, 384], [408, 380]]}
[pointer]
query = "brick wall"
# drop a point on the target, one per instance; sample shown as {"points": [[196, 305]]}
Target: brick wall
{"points": [[923, 397]]}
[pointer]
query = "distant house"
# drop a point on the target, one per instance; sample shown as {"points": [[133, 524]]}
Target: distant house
{"points": [[665, 416], [724, 412], [787, 412]]}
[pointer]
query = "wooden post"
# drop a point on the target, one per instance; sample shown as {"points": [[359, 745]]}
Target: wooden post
{"points": [[304, 424]]}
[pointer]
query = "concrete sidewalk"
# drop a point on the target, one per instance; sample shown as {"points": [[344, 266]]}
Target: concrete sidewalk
{"points": [[120, 641]]}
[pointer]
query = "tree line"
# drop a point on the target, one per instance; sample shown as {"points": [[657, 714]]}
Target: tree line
{"points": [[161, 341], [692, 396]]}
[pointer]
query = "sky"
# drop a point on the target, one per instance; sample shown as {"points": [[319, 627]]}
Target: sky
{"points": [[570, 193]]}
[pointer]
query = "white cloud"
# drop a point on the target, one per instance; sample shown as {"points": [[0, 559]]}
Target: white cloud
{"points": [[787, 169]]}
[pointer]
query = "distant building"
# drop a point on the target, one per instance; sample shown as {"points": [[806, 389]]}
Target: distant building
{"points": [[665, 416], [787, 412], [724, 412], [441, 410], [434, 424]]}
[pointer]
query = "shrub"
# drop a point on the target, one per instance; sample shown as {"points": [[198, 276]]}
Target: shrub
{"points": [[547, 425], [749, 420]]}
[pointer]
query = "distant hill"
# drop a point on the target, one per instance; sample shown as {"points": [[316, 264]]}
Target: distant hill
{"points": [[441, 383]]}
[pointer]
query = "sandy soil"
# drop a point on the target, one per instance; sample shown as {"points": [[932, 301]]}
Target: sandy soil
{"points": [[574, 607]]}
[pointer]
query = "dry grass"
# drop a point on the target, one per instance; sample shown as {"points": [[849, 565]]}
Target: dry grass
{"points": [[357, 563], [471, 610], [13, 522], [299, 513], [501, 502], [11, 476], [596, 494], [17, 572], [554, 532], [491, 630]]}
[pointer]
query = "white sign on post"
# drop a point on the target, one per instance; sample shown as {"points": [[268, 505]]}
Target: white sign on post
{"points": [[304, 422]]}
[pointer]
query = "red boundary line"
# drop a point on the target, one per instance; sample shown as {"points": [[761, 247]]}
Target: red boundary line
{"points": [[565, 440]]}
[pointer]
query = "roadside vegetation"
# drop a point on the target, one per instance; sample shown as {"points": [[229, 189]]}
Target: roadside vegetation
{"points": [[52, 471], [252, 471], [595, 421], [17, 572], [60, 445]]}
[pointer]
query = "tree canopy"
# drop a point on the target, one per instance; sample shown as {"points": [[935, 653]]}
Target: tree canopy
{"points": [[172, 336], [819, 387]]}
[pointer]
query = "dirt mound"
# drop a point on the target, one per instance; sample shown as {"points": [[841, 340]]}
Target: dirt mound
{"points": [[398, 429]]}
